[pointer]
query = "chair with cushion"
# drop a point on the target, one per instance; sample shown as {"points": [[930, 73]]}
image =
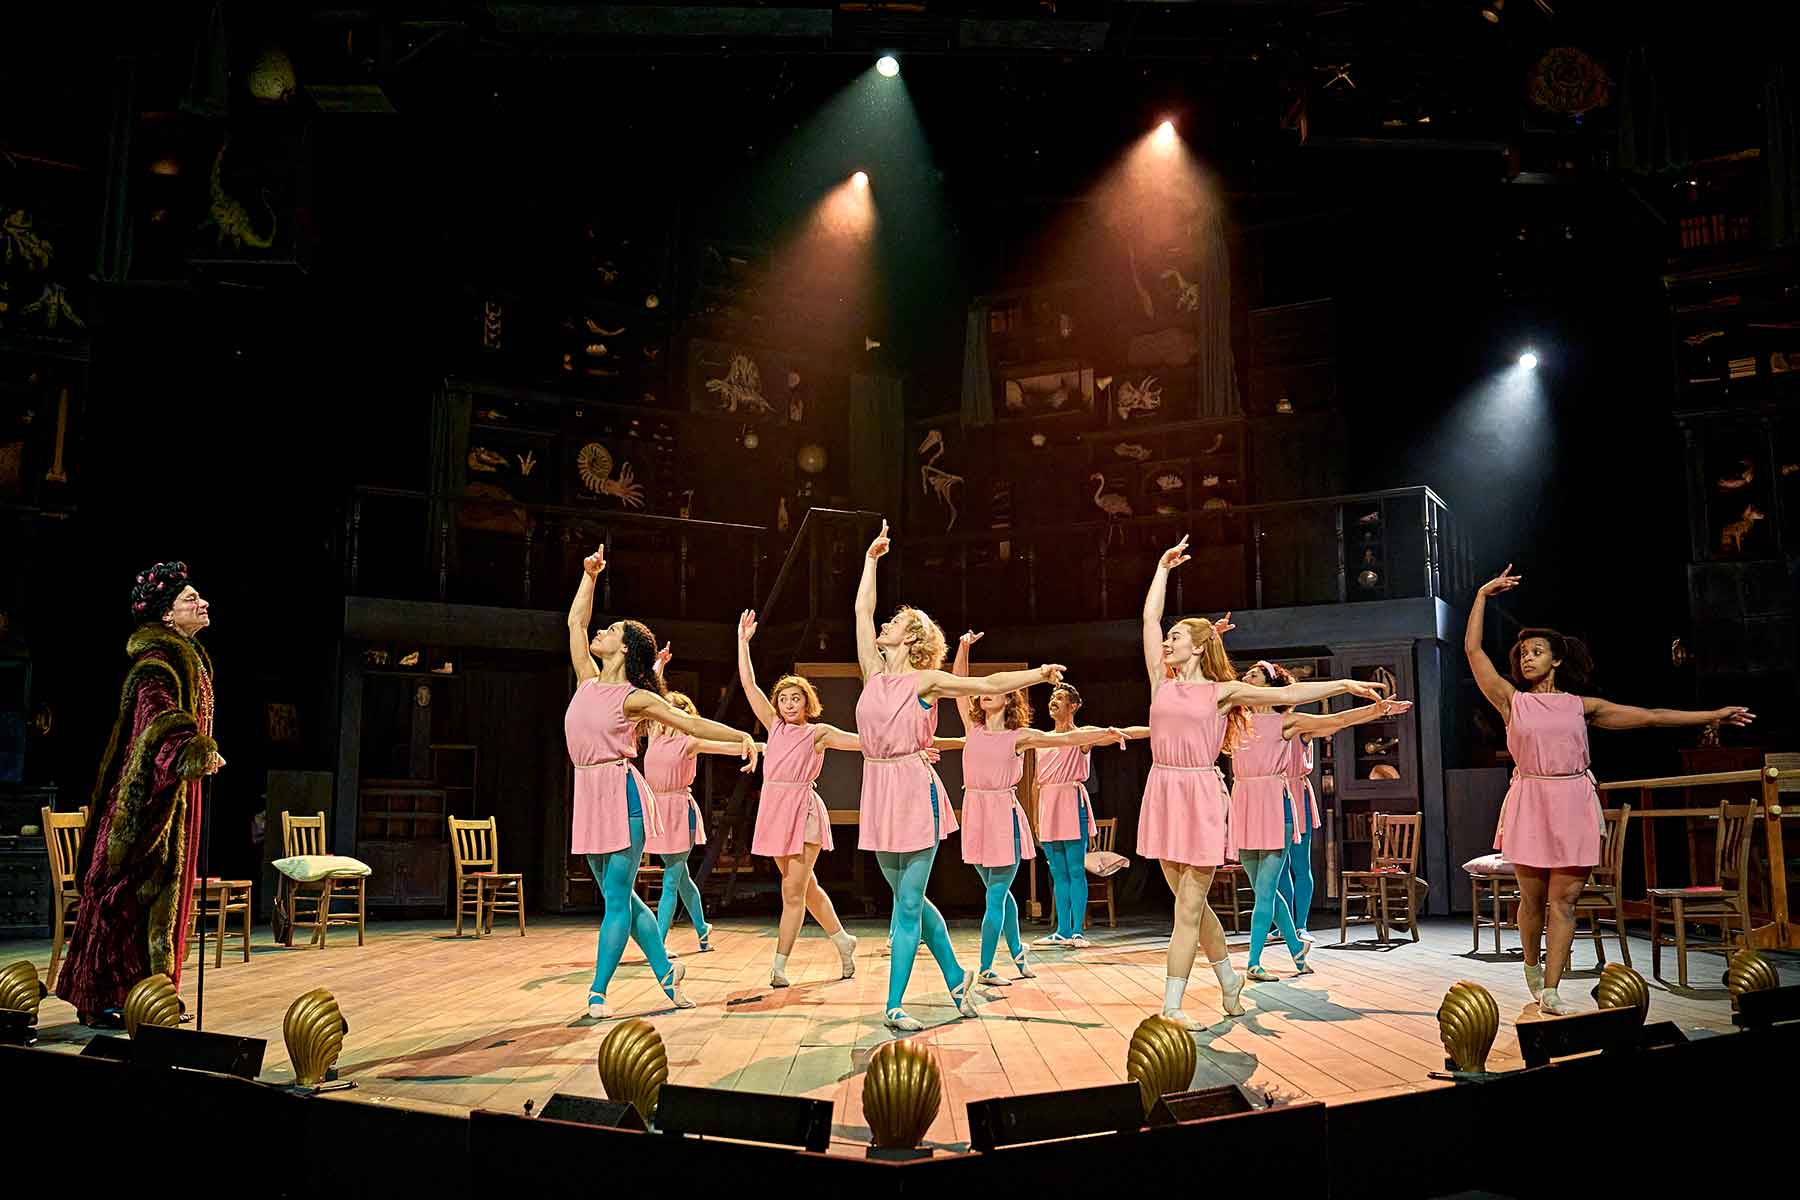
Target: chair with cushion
{"points": [[317, 886], [1724, 903]]}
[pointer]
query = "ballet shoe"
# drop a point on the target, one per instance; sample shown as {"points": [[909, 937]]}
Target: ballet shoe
{"points": [[1301, 967], [991, 978], [1231, 996], [963, 995], [1534, 979], [1554, 1005], [897, 1019], [778, 980], [677, 972], [1077, 942], [1182, 1019], [1257, 973], [597, 1008], [1023, 967], [1052, 940], [847, 959]]}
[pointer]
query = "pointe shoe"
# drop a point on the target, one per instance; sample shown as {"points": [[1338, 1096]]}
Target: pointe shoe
{"points": [[677, 972], [897, 1020], [597, 1008], [1023, 967], [963, 995], [991, 978], [1182, 1019], [706, 942], [1301, 966], [847, 959], [1534, 979], [1231, 996]]}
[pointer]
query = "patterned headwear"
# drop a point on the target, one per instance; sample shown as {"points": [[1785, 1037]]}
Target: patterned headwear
{"points": [[154, 592]]}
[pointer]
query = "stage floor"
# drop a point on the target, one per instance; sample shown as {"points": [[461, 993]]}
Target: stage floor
{"points": [[492, 1023]]}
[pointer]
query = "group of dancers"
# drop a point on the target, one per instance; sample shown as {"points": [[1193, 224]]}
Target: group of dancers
{"points": [[137, 869], [1200, 707]]}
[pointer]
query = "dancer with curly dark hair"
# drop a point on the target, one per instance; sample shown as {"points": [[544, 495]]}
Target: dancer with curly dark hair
{"points": [[614, 809], [1550, 823]]}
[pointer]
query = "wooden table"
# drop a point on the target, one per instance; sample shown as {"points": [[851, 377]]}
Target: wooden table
{"points": [[1782, 774]]}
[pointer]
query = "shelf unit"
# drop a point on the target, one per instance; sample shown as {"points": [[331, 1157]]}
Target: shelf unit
{"points": [[1375, 766]]}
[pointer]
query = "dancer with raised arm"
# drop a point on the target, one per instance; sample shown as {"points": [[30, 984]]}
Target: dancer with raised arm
{"points": [[1065, 822], [996, 837], [1184, 822], [1266, 821], [792, 825], [614, 808], [905, 812], [671, 760], [1550, 823]]}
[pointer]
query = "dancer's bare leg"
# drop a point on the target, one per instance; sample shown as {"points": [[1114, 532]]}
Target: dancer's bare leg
{"points": [[1534, 893], [1564, 889], [801, 894], [1196, 927]]}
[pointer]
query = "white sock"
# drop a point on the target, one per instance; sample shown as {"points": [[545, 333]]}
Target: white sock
{"points": [[842, 940], [1223, 970], [780, 964], [1172, 990]]}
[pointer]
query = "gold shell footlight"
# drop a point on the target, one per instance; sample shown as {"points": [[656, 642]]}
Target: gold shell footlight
{"points": [[902, 1091], [634, 1064], [19, 987], [314, 1030], [1468, 1021], [1749, 972], [1161, 1059], [1622, 987], [152, 1001]]}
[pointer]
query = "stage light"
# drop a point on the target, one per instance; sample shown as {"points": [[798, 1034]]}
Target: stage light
{"points": [[860, 179], [1165, 133], [888, 65], [1491, 13], [1528, 360]]}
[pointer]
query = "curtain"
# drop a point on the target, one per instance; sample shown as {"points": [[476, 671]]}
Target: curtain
{"points": [[1781, 155], [977, 384], [877, 449], [1216, 373]]}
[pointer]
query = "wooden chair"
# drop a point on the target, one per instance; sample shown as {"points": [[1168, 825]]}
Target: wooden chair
{"points": [[1723, 903], [1603, 896], [63, 834], [306, 835], [1234, 881], [648, 883], [475, 847], [1394, 866], [218, 900], [1100, 891]]}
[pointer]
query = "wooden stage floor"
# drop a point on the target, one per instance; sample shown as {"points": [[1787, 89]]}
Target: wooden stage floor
{"points": [[492, 1023]]}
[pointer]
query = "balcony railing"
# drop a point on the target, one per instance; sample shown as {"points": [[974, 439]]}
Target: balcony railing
{"points": [[1389, 545], [414, 545]]}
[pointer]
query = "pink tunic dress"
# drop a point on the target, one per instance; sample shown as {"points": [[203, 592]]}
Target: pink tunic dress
{"points": [[1062, 792], [1185, 815], [790, 765], [1259, 786], [670, 771], [601, 745], [992, 769], [1552, 816], [897, 781], [1299, 778]]}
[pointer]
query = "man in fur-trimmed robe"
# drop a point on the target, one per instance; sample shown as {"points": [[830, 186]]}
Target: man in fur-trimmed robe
{"points": [[137, 862]]}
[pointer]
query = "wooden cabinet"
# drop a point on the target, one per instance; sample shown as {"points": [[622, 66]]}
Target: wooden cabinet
{"points": [[25, 885], [1379, 761], [401, 835]]}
